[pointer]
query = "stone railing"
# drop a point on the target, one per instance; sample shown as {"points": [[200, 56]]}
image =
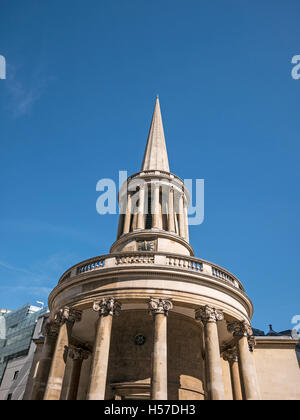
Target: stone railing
{"points": [[188, 263], [162, 259], [93, 264], [135, 259], [216, 272], [83, 267]]}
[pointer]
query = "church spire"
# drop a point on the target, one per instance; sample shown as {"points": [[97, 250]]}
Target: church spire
{"points": [[156, 157], [154, 202]]}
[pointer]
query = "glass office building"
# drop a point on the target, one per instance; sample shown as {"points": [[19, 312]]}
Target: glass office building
{"points": [[16, 331]]}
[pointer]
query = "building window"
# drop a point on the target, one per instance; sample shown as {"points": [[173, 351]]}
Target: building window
{"points": [[9, 397], [16, 374]]}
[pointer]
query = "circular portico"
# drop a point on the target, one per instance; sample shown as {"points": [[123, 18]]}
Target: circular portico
{"points": [[134, 280]]}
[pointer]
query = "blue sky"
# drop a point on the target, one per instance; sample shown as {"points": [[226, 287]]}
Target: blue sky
{"points": [[76, 107]]}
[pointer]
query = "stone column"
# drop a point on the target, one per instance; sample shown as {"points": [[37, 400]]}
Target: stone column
{"points": [[209, 317], [84, 380], [141, 210], [171, 222], [181, 217], [51, 330], [242, 331], [65, 318], [106, 308], [160, 210], [121, 217], [134, 221], [67, 374], [155, 213], [186, 223], [231, 356], [159, 308], [77, 354], [127, 215]]}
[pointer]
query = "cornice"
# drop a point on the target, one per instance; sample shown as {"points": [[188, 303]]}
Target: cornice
{"points": [[264, 341]]}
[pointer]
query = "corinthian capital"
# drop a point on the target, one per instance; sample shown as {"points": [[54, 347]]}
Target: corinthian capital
{"points": [[159, 306], [68, 315], [240, 329], [51, 329], [107, 306], [230, 355], [78, 353], [208, 314]]}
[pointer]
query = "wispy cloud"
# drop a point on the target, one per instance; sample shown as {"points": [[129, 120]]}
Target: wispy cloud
{"points": [[42, 269], [30, 291], [34, 282], [27, 280], [13, 268], [39, 226], [23, 95]]}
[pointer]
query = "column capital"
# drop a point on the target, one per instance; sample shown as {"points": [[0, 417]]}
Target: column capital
{"points": [[67, 315], [51, 329], [208, 314], [107, 306], [230, 355], [78, 353], [240, 329], [159, 306]]}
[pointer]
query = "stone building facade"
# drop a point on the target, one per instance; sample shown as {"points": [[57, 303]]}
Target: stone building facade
{"points": [[19, 335], [149, 320]]}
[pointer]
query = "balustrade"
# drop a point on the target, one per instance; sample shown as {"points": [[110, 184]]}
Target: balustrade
{"points": [[153, 258]]}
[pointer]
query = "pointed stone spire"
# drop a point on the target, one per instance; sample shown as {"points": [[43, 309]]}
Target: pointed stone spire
{"points": [[156, 157]]}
